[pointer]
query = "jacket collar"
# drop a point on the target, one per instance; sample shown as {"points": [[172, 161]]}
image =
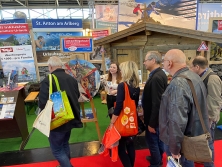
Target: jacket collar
{"points": [[58, 70], [180, 71], [155, 71], [209, 70]]}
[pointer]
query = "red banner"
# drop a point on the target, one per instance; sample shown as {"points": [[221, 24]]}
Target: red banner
{"points": [[219, 24], [14, 29], [100, 33], [76, 42]]}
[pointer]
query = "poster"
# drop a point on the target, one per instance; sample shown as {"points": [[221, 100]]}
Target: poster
{"points": [[106, 16], [20, 59], [205, 11], [47, 33], [100, 33], [87, 76], [48, 44], [176, 13], [14, 35], [76, 44]]}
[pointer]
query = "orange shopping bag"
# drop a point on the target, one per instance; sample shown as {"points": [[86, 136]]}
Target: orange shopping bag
{"points": [[126, 123]]}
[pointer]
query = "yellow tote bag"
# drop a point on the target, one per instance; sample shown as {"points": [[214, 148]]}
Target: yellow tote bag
{"points": [[63, 112]]}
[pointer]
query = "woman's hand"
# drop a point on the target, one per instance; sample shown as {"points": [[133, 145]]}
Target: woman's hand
{"points": [[113, 92]]}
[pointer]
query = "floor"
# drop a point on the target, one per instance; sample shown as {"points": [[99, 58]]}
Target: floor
{"points": [[77, 150]]}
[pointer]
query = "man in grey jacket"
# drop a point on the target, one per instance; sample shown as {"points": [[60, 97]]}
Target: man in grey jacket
{"points": [[214, 89], [178, 115]]}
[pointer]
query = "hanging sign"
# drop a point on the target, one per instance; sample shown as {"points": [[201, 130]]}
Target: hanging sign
{"points": [[100, 33], [202, 47], [14, 29], [76, 44]]}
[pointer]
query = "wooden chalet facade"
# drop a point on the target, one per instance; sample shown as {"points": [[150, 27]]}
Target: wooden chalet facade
{"points": [[134, 42]]}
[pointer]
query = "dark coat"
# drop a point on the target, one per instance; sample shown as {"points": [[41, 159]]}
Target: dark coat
{"points": [[70, 85], [152, 93]]}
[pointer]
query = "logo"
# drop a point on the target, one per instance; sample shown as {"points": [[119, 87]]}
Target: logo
{"points": [[5, 50]]}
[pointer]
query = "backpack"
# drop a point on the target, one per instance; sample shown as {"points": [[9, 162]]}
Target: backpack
{"points": [[205, 81]]}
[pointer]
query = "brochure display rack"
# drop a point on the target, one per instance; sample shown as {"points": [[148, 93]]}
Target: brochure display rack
{"points": [[16, 126]]}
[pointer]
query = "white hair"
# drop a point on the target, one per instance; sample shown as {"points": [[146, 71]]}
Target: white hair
{"points": [[55, 61]]}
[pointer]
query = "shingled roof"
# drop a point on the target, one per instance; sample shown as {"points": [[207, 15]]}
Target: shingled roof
{"points": [[153, 27]]}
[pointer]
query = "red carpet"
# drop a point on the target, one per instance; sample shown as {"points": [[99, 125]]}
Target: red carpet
{"points": [[101, 161]]}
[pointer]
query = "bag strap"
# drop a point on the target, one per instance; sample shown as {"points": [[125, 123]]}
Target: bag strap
{"points": [[126, 90], [50, 85], [196, 102], [57, 82]]}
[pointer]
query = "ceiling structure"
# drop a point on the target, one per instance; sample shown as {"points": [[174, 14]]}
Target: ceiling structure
{"points": [[7, 4]]}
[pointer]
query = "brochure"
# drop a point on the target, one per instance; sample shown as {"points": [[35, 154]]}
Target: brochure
{"points": [[7, 110], [88, 113]]}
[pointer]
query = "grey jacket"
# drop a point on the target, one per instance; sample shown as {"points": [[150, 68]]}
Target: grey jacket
{"points": [[214, 100], [178, 115]]}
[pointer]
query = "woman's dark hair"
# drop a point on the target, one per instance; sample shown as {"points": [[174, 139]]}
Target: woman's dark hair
{"points": [[118, 74]]}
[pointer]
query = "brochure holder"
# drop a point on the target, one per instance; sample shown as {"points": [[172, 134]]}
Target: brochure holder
{"points": [[16, 127]]}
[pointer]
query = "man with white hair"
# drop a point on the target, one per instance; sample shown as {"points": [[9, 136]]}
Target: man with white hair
{"points": [[59, 137], [178, 115]]}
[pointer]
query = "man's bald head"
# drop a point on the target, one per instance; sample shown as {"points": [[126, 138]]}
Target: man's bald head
{"points": [[176, 56], [174, 60]]}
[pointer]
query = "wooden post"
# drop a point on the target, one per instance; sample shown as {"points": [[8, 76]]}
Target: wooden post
{"points": [[34, 55], [95, 120], [103, 61]]}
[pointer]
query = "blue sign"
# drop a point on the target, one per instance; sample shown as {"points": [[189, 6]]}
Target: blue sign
{"points": [[84, 45], [57, 23], [11, 21]]}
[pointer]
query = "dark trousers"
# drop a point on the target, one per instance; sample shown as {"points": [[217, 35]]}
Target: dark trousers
{"points": [[110, 99], [59, 143], [156, 147], [126, 151]]}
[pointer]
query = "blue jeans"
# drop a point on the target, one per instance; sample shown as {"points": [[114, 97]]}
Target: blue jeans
{"points": [[211, 145], [59, 143], [155, 146], [183, 161]]}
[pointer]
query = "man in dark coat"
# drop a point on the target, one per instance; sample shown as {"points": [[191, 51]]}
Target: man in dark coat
{"points": [[59, 137], [153, 90]]}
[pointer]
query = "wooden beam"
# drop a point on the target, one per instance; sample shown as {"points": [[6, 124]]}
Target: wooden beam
{"points": [[148, 32]]}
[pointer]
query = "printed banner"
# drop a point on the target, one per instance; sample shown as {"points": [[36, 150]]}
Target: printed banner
{"points": [[14, 29], [176, 13], [106, 16], [20, 59], [77, 44], [57, 23], [206, 10], [98, 34], [48, 44]]}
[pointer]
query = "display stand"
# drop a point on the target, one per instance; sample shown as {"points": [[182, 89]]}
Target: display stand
{"points": [[16, 127], [94, 119]]}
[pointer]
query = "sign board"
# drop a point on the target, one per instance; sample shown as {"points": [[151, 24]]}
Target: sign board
{"points": [[202, 47], [14, 29], [57, 23], [76, 44], [100, 33]]}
